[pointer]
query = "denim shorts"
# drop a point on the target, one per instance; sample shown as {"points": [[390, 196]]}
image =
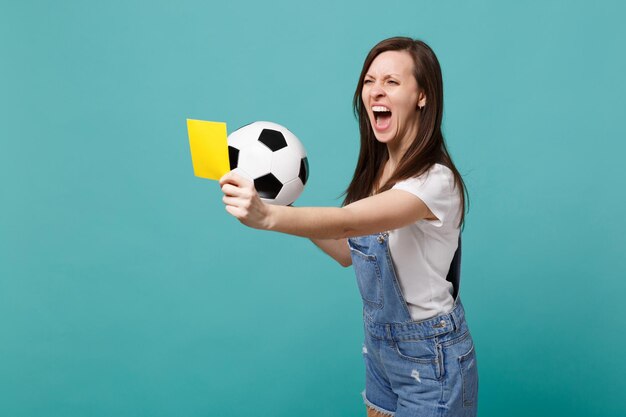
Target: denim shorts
{"points": [[426, 368], [412, 368]]}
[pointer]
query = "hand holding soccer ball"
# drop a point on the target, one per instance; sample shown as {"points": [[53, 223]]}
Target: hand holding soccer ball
{"points": [[243, 202]]}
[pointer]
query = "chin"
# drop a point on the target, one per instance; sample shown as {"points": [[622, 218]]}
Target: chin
{"points": [[384, 137]]}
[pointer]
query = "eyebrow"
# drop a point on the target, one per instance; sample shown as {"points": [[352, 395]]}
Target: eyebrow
{"points": [[386, 76]]}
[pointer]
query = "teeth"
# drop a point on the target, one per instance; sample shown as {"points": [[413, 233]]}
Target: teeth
{"points": [[380, 108]]}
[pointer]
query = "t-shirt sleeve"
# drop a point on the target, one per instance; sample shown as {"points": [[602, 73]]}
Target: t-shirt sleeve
{"points": [[436, 189]]}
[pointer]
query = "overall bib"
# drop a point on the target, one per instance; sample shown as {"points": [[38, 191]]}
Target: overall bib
{"points": [[413, 368]]}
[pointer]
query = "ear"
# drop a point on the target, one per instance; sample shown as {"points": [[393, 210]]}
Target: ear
{"points": [[421, 100]]}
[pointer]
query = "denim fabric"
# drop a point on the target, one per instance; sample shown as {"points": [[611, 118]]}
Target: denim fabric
{"points": [[425, 368]]}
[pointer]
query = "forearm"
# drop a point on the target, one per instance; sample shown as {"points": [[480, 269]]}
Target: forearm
{"points": [[311, 222], [337, 249], [389, 210]]}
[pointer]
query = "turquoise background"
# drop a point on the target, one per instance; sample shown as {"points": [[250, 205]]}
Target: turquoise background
{"points": [[127, 290]]}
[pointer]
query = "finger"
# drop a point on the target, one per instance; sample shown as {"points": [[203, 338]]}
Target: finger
{"points": [[225, 178], [228, 178], [231, 190], [235, 202], [238, 180], [247, 192], [234, 211], [233, 177]]}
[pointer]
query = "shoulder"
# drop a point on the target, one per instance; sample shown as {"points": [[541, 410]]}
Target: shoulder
{"points": [[438, 176], [436, 188]]}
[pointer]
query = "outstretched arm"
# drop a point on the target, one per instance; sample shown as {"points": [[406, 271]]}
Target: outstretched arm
{"points": [[385, 211]]}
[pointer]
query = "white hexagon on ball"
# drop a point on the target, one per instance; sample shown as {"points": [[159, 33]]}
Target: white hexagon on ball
{"points": [[255, 159], [289, 193], [286, 163]]}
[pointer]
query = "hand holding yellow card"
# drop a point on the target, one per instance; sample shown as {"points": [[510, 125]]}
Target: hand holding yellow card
{"points": [[209, 148]]}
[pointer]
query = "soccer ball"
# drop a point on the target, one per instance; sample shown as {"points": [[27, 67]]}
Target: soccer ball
{"points": [[271, 156]]}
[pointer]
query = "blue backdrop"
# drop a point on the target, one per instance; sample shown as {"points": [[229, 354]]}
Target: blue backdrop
{"points": [[127, 290]]}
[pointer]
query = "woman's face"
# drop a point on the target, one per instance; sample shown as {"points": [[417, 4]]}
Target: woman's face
{"points": [[390, 96]]}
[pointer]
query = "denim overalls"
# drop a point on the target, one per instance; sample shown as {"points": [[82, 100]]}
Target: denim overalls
{"points": [[424, 368]]}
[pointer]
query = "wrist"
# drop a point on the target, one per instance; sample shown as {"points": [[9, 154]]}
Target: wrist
{"points": [[270, 218]]}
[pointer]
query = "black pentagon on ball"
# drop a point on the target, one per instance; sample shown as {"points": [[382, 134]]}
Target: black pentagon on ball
{"points": [[268, 186], [233, 157], [304, 170], [273, 139]]}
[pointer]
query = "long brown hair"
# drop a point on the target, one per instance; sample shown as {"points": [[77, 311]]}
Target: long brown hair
{"points": [[428, 146]]}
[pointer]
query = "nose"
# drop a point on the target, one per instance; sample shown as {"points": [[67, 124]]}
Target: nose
{"points": [[376, 91]]}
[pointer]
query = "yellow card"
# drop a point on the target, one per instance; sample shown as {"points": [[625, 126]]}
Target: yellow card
{"points": [[209, 148]]}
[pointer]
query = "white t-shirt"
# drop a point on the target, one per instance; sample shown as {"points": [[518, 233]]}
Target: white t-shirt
{"points": [[422, 251]]}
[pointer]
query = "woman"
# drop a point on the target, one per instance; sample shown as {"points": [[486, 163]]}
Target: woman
{"points": [[399, 227]]}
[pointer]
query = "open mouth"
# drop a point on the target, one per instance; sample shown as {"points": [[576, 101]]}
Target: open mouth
{"points": [[382, 117]]}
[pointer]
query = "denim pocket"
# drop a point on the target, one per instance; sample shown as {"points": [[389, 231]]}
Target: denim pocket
{"points": [[420, 351], [469, 377], [424, 352], [368, 277]]}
